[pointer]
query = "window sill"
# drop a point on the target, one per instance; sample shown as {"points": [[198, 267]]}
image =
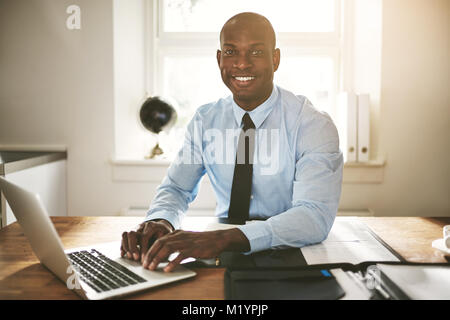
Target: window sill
{"points": [[140, 163], [151, 170], [364, 172], [136, 170]]}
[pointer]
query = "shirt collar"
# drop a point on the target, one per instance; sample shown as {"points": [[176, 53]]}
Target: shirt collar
{"points": [[260, 113]]}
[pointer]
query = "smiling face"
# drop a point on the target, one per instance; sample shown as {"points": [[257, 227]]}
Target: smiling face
{"points": [[248, 59]]}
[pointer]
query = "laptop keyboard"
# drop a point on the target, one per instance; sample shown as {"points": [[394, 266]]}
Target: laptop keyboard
{"points": [[100, 272]]}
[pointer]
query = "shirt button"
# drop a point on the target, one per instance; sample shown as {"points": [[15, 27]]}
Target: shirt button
{"points": [[251, 197]]}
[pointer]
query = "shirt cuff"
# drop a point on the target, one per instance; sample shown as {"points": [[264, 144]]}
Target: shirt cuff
{"points": [[259, 234], [171, 217]]}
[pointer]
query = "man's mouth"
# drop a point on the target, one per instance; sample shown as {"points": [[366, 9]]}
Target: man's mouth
{"points": [[244, 79]]}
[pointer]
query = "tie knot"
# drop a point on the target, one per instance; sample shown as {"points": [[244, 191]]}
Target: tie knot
{"points": [[248, 123]]}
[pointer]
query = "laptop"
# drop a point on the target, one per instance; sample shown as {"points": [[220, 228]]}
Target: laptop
{"points": [[94, 272]]}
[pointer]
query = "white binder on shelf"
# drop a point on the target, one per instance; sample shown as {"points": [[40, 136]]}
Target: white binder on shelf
{"points": [[347, 125], [363, 127]]}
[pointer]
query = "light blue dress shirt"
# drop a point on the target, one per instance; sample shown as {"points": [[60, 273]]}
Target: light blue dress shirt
{"points": [[297, 169]]}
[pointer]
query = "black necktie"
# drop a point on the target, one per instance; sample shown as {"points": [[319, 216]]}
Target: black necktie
{"points": [[243, 170]]}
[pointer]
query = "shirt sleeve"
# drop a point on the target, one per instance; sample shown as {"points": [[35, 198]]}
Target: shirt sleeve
{"points": [[180, 185], [316, 192]]}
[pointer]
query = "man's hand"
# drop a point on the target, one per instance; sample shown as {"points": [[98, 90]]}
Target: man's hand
{"points": [[137, 242], [203, 245]]}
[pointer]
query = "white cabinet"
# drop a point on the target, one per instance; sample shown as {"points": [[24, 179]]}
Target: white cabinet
{"points": [[45, 176]]}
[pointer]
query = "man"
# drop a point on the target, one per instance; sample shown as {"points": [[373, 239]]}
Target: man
{"points": [[297, 202]]}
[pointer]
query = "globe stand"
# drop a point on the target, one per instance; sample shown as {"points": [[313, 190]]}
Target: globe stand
{"points": [[156, 151]]}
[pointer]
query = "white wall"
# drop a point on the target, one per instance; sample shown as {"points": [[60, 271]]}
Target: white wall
{"points": [[414, 114], [57, 87]]}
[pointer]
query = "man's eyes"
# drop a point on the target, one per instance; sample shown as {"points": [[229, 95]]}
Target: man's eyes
{"points": [[254, 53], [257, 52], [229, 52]]}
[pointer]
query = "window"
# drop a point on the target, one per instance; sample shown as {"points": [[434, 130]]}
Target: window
{"points": [[184, 37]]}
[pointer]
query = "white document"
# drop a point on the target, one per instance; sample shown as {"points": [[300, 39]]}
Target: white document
{"points": [[420, 282], [347, 125], [363, 127], [349, 241]]}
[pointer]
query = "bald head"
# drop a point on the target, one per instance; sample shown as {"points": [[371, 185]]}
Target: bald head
{"points": [[250, 21]]}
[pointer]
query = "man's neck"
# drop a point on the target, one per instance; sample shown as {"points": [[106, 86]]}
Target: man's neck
{"points": [[248, 105]]}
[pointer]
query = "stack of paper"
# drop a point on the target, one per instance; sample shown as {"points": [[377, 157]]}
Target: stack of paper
{"points": [[420, 282], [349, 241]]}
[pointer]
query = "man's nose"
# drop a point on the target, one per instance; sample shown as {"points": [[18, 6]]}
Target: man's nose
{"points": [[242, 62]]}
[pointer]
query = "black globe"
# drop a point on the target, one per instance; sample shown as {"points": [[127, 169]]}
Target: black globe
{"points": [[157, 115]]}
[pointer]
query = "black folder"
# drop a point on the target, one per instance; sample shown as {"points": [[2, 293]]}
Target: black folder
{"points": [[281, 284]]}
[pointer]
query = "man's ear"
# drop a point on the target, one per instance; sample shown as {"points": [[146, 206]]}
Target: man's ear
{"points": [[276, 59], [219, 53]]}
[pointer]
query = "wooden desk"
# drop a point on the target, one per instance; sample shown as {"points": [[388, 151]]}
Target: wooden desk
{"points": [[23, 277]]}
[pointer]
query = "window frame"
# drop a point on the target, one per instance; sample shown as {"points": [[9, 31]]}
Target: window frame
{"points": [[337, 45]]}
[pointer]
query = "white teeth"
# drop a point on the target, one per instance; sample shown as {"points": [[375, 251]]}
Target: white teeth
{"points": [[244, 78]]}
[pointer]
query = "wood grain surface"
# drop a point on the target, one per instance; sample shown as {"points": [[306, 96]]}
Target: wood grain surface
{"points": [[23, 277]]}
